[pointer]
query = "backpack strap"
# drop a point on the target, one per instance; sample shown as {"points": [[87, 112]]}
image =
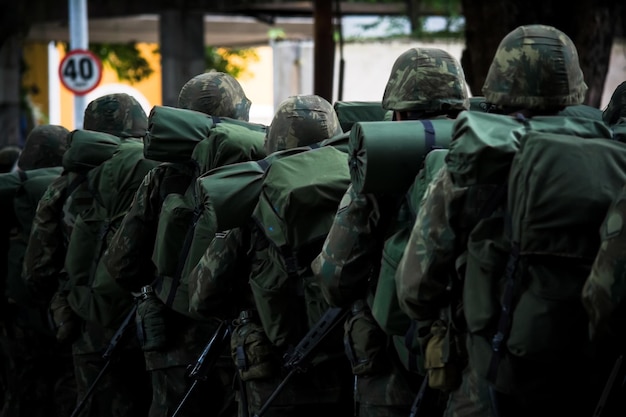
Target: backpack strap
{"points": [[105, 228], [22, 174], [80, 178], [506, 316], [409, 336], [429, 134], [182, 256]]}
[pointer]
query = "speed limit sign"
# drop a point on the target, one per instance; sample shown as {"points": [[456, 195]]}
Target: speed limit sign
{"points": [[80, 71]]}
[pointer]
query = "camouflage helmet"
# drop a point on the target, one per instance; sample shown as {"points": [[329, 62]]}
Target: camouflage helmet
{"points": [[300, 121], [217, 94], [44, 147], [118, 114], [8, 157], [616, 109], [426, 79], [535, 67]]}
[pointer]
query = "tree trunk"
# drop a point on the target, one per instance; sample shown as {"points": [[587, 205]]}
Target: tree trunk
{"points": [[591, 24]]}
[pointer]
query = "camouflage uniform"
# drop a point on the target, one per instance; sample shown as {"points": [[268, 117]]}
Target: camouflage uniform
{"points": [[449, 212], [603, 292], [121, 387], [219, 284], [615, 113], [424, 83], [129, 260], [39, 371]]}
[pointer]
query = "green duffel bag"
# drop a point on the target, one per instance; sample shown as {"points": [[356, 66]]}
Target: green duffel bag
{"points": [[386, 156], [229, 193], [173, 133], [88, 149], [495, 138]]}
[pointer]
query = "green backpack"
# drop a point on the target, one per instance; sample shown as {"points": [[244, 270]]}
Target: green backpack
{"points": [[92, 292], [227, 143], [385, 307], [298, 201], [227, 196], [173, 133], [87, 150], [21, 192], [528, 256], [385, 157]]}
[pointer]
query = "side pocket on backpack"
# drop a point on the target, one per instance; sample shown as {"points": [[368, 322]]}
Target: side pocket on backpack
{"points": [[252, 352], [64, 321], [151, 321], [365, 342], [443, 359]]}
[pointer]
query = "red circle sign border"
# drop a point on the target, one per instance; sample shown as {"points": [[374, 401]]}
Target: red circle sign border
{"points": [[81, 52]]}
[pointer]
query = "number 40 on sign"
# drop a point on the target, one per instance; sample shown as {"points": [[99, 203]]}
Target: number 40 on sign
{"points": [[80, 71]]}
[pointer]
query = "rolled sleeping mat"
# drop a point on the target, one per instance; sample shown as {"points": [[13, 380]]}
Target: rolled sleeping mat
{"points": [[88, 149], [350, 112], [384, 157], [173, 133]]}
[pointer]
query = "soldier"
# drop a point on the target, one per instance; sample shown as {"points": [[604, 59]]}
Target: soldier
{"points": [[129, 260], [8, 158], [219, 284], [603, 294], [69, 196], [450, 210], [40, 375], [615, 111], [425, 83]]}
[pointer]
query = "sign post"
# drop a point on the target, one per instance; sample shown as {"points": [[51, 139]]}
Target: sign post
{"points": [[80, 71], [79, 39]]}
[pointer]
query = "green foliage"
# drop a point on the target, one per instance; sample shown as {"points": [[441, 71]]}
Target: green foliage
{"points": [[128, 63], [125, 59], [229, 60]]}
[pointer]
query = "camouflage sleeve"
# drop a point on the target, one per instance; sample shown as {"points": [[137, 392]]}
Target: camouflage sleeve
{"points": [[45, 252], [605, 287], [218, 272], [423, 273], [128, 258], [351, 250]]}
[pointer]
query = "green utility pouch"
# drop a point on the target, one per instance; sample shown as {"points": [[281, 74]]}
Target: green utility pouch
{"points": [[64, 321], [365, 342], [253, 354], [151, 321], [443, 360]]}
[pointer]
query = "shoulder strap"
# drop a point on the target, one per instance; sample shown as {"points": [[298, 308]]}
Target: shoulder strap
{"points": [[506, 315], [182, 257], [184, 251], [22, 174]]}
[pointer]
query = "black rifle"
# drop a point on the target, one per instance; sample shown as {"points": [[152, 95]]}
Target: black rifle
{"points": [[108, 353], [300, 358], [613, 390], [206, 361]]}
